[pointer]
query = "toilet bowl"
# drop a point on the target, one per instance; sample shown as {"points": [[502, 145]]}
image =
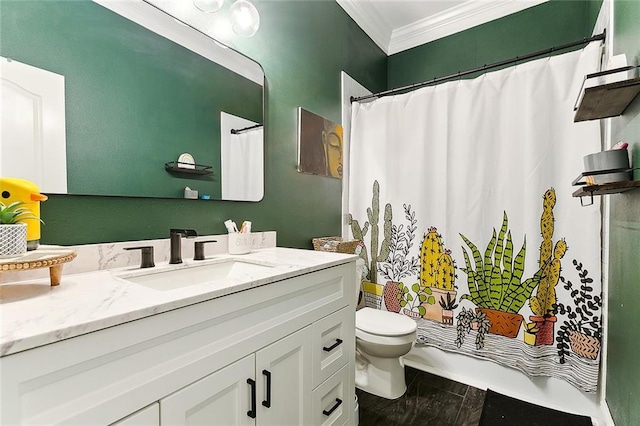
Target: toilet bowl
{"points": [[381, 339]]}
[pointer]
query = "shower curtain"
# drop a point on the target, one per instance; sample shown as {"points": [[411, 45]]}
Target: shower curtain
{"points": [[242, 166], [461, 194]]}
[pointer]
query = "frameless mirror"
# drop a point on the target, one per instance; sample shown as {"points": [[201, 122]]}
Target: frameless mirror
{"points": [[148, 103]]}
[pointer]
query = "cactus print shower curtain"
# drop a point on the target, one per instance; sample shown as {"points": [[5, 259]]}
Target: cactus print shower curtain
{"points": [[461, 194]]}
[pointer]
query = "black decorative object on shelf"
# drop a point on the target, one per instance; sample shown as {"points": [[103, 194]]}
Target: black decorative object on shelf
{"points": [[196, 169]]}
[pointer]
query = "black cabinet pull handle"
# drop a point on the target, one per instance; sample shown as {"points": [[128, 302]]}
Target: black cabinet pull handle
{"points": [[252, 413], [332, 347], [267, 402], [332, 409]]}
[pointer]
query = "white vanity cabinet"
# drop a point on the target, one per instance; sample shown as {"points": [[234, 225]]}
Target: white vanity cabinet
{"points": [[289, 344], [272, 387]]}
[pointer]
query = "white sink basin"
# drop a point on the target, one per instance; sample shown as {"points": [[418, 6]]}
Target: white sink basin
{"points": [[192, 274]]}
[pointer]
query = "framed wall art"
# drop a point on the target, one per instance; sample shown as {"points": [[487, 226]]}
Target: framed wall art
{"points": [[319, 145]]}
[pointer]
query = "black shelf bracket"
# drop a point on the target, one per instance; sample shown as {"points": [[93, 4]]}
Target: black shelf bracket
{"points": [[587, 189]]}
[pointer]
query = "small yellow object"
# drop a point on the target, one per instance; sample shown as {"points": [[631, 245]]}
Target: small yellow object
{"points": [[14, 189], [529, 338], [372, 288]]}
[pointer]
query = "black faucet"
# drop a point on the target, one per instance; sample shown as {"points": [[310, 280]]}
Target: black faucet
{"points": [[146, 256], [176, 247]]}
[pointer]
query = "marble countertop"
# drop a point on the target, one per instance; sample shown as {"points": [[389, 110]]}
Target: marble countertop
{"points": [[33, 313]]}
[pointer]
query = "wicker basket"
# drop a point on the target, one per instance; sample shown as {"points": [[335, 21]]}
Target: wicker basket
{"points": [[335, 244]]}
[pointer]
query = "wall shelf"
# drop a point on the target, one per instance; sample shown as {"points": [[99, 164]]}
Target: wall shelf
{"points": [[589, 190], [598, 101], [607, 188], [195, 169]]}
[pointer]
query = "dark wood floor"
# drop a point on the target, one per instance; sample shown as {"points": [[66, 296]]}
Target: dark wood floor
{"points": [[429, 401]]}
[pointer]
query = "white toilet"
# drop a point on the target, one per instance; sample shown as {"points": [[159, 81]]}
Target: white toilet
{"points": [[382, 337]]}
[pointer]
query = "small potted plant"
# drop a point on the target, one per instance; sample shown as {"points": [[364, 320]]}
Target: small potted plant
{"points": [[530, 333], [499, 273], [582, 329], [448, 306], [13, 231], [472, 319], [413, 306], [399, 265], [437, 272]]}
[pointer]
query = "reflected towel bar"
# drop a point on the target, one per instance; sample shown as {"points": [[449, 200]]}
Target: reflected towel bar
{"points": [[246, 129]]}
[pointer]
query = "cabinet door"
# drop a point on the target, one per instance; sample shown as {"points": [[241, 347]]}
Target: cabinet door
{"points": [[149, 416], [283, 373], [222, 398]]}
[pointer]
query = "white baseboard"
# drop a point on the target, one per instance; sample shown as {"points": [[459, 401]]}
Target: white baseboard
{"points": [[605, 415]]}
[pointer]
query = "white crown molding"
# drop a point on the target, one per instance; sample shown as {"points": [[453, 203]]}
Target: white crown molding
{"points": [[451, 21], [370, 21]]}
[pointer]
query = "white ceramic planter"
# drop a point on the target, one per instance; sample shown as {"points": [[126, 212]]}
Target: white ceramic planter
{"points": [[13, 240]]}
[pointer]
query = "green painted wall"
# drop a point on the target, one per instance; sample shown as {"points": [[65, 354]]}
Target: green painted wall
{"points": [[537, 28], [303, 46], [623, 374], [134, 100]]}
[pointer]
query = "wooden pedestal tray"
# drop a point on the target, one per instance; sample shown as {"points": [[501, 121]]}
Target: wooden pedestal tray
{"points": [[51, 257]]}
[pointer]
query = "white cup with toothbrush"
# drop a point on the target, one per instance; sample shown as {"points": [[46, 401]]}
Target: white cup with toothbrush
{"points": [[240, 242]]}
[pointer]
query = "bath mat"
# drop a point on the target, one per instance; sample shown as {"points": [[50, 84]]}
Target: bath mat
{"points": [[503, 410]]}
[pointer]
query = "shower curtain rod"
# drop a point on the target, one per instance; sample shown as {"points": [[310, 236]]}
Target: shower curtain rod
{"points": [[485, 67], [238, 131]]}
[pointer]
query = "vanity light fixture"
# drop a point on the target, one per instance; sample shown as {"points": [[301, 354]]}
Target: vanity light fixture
{"points": [[243, 15], [209, 6]]}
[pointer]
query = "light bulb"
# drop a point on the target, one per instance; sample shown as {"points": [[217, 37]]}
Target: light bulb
{"points": [[208, 6], [244, 17]]}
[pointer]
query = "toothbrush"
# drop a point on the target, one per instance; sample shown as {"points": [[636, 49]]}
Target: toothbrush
{"points": [[620, 145], [230, 226]]}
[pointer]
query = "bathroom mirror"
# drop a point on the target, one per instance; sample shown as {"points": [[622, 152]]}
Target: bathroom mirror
{"points": [[141, 91]]}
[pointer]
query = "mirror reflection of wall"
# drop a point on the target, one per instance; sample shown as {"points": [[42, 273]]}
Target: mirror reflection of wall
{"points": [[134, 100]]}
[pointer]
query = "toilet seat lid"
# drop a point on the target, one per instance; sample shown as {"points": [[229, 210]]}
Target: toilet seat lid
{"points": [[384, 323]]}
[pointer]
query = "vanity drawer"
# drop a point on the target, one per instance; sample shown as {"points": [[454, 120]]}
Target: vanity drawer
{"points": [[331, 402], [333, 344], [149, 416]]}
